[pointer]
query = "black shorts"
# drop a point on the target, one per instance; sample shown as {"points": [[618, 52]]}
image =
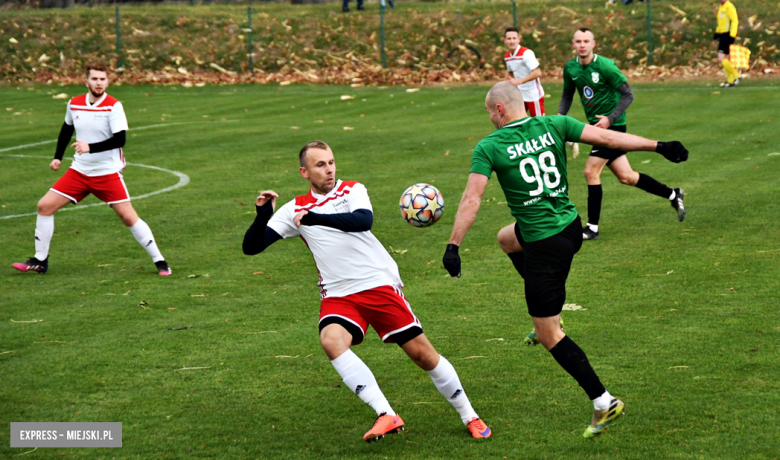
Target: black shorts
{"points": [[724, 43], [546, 264], [609, 154]]}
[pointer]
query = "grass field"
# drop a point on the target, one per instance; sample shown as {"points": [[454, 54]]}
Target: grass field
{"points": [[679, 319]]}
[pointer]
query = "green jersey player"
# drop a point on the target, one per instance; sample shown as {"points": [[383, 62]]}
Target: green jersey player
{"points": [[605, 96], [529, 158]]}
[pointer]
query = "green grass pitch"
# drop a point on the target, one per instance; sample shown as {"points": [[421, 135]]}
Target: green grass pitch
{"points": [[679, 319]]}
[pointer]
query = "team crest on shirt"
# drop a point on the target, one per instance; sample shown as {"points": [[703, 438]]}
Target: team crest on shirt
{"points": [[587, 92], [595, 77]]}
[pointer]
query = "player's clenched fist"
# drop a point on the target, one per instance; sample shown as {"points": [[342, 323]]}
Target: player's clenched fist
{"points": [[673, 151], [452, 260], [55, 164], [265, 196]]}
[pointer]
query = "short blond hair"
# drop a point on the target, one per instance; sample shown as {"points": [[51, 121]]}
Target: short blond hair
{"points": [[310, 145]]}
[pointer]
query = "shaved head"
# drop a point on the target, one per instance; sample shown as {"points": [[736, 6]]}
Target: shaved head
{"points": [[504, 103], [505, 93]]}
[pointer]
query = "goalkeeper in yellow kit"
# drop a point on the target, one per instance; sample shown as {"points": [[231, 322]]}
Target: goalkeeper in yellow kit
{"points": [[725, 33]]}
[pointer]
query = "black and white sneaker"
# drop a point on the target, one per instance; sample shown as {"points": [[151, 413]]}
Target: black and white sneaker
{"points": [[33, 265], [162, 268], [589, 234], [677, 203]]}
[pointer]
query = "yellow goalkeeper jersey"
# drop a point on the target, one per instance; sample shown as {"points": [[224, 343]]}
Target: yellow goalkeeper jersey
{"points": [[727, 19]]}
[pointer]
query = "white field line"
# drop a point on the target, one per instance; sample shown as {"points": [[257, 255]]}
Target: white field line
{"points": [[162, 125], [183, 180]]}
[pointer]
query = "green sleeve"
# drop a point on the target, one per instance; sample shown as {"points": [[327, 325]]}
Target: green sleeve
{"points": [[481, 163], [615, 77], [570, 129]]}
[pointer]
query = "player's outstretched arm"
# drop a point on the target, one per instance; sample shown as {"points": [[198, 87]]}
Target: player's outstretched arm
{"points": [[673, 151], [260, 236], [464, 219], [359, 220]]}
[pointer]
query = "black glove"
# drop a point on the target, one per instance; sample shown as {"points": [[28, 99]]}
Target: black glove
{"points": [[452, 260], [673, 151]]}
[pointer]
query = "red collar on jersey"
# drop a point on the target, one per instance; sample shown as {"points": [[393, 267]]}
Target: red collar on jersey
{"points": [[81, 102], [517, 55], [309, 201]]}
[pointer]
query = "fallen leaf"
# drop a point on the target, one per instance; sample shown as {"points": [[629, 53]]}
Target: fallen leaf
{"points": [[258, 273], [346, 97], [447, 153], [13, 40], [679, 367], [573, 307], [348, 128], [60, 96], [172, 308], [285, 83], [294, 127], [412, 90]]}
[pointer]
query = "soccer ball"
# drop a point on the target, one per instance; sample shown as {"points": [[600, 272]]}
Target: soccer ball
{"points": [[422, 205]]}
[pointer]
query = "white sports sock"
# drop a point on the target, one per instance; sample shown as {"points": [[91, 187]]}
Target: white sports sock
{"points": [[595, 228], [673, 196], [358, 377], [44, 230], [143, 234], [447, 382], [602, 402]]}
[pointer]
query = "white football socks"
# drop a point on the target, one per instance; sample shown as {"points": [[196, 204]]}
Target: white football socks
{"points": [[673, 195], [143, 234], [359, 379], [44, 230], [602, 402], [595, 228], [447, 382]]}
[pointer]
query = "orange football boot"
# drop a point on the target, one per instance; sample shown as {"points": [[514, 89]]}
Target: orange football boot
{"points": [[478, 428], [383, 425]]}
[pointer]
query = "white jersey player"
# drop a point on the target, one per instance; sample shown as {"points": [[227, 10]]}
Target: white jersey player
{"points": [[524, 72], [359, 284], [101, 131]]}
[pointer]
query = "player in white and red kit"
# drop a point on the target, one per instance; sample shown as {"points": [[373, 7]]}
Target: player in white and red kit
{"points": [[359, 285], [100, 124], [524, 72]]}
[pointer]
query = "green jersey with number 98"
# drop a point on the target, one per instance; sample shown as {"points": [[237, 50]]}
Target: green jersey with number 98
{"points": [[529, 158]]}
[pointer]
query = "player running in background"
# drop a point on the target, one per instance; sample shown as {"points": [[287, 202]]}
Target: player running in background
{"points": [[525, 73], [605, 96], [725, 33], [529, 159], [100, 124], [359, 285]]}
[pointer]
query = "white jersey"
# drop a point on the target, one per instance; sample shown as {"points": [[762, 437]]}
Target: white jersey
{"points": [[96, 123], [521, 63], [348, 262]]}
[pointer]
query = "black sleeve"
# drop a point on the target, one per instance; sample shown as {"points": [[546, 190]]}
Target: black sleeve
{"points": [[626, 98], [116, 142], [359, 220], [66, 132], [259, 236], [566, 100]]}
